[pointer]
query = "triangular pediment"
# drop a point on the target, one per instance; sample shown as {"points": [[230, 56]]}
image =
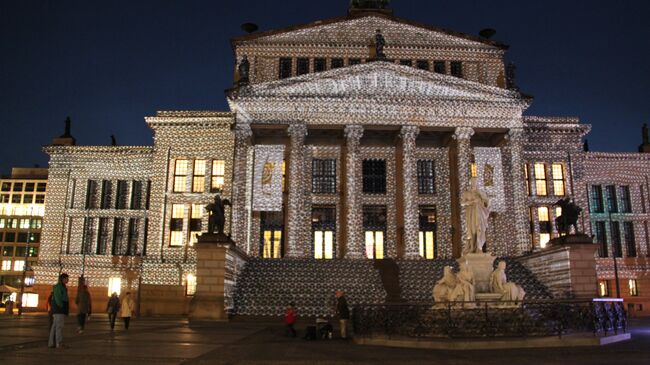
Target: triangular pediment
{"points": [[381, 81], [360, 31]]}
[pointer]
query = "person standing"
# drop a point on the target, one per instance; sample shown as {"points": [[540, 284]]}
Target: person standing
{"points": [[84, 306], [290, 320], [60, 310], [126, 309], [343, 312], [48, 308], [112, 308]]}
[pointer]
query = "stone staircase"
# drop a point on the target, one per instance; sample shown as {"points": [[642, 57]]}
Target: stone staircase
{"points": [[265, 287]]}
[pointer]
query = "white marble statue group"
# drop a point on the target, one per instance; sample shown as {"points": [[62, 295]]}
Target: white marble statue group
{"points": [[461, 286]]}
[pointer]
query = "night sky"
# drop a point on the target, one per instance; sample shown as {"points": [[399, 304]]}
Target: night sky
{"points": [[109, 64]]}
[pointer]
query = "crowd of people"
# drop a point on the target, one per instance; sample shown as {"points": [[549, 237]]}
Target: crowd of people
{"points": [[58, 308]]}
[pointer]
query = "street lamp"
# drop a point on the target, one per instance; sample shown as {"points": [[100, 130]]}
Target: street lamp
{"points": [[614, 255]]}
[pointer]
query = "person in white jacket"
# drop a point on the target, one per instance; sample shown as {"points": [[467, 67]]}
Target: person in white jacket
{"points": [[127, 308]]}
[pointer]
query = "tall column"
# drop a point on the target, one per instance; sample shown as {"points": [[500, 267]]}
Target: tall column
{"points": [[515, 144], [411, 223], [296, 212], [239, 225], [462, 135], [355, 247]]}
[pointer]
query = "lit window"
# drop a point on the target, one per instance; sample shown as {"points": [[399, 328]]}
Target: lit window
{"points": [[544, 226], [375, 244], [24, 223], [19, 265], [272, 244], [634, 290], [540, 179], [323, 223], [284, 173], [218, 173], [198, 180], [603, 288], [558, 179], [190, 287], [473, 168], [374, 226], [114, 286], [176, 225], [427, 232], [6, 265], [180, 176], [195, 222]]}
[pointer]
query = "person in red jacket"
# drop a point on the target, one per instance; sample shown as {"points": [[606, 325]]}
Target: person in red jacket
{"points": [[290, 320]]}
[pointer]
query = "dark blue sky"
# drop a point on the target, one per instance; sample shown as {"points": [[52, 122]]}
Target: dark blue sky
{"points": [[109, 64]]}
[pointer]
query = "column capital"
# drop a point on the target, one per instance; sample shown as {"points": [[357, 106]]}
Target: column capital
{"points": [[463, 133], [515, 134], [243, 130], [353, 131], [409, 132], [297, 130]]}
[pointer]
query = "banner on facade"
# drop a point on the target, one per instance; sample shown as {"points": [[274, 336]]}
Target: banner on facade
{"points": [[489, 176], [267, 178]]}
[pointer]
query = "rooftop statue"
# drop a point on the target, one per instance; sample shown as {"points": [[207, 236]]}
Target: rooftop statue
{"points": [[369, 4], [380, 42], [244, 67], [477, 211]]}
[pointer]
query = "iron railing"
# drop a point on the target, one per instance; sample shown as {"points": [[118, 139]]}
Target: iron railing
{"points": [[491, 319]]}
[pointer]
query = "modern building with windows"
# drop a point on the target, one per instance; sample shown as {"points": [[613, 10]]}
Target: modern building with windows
{"points": [[332, 152], [22, 206]]}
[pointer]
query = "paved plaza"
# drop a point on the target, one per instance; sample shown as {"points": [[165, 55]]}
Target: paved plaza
{"points": [[172, 341]]}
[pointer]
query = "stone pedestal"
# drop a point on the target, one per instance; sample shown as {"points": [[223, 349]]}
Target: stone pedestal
{"points": [[217, 266], [567, 266], [482, 265]]}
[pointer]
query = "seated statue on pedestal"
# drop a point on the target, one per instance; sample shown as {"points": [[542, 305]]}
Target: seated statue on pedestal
{"points": [[464, 290], [444, 289], [499, 284]]}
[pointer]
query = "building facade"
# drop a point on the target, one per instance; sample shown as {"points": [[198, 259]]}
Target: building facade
{"points": [[334, 147]]}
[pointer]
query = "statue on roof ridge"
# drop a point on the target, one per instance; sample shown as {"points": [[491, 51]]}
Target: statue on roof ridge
{"points": [[369, 4]]}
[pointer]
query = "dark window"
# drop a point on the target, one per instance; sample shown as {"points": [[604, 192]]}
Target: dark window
{"points": [[319, 64], [28, 198], [33, 252], [122, 192], [323, 176], [616, 239], [35, 237], [337, 62], [4, 198], [10, 237], [426, 177], [40, 199], [374, 217], [6, 186], [596, 199], [136, 194], [422, 64], [354, 61], [15, 198], [626, 207], [285, 68], [643, 210], [147, 195], [374, 176], [18, 187], [20, 251], [456, 68], [134, 237], [40, 187], [103, 236], [22, 237], [8, 251], [630, 242], [88, 236], [439, 67], [146, 234], [612, 204], [302, 66], [29, 186], [120, 235], [92, 192], [106, 194], [601, 238], [406, 62]]}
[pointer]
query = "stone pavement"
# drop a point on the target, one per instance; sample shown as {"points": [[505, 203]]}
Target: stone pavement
{"points": [[172, 341]]}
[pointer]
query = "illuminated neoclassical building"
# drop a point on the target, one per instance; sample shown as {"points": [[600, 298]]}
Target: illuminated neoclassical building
{"points": [[333, 150]]}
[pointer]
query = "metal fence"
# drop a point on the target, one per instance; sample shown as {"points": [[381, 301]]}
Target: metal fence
{"points": [[491, 319]]}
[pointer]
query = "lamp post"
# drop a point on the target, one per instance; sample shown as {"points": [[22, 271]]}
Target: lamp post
{"points": [[614, 254], [25, 264]]}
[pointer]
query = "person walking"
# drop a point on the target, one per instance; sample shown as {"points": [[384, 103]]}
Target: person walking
{"points": [[290, 320], [48, 308], [84, 306], [112, 308], [126, 309], [343, 312], [60, 310]]}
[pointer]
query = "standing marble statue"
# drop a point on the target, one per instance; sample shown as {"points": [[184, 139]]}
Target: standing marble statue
{"points": [[444, 288], [464, 290], [477, 211], [499, 285]]}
